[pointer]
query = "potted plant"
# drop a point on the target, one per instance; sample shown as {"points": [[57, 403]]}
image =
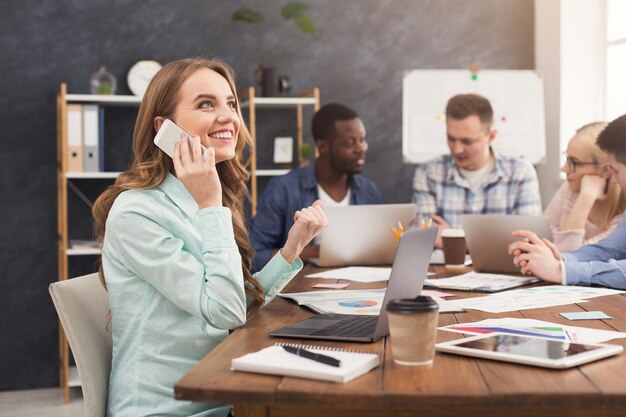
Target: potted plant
{"points": [[266, 74], [305, 154]]}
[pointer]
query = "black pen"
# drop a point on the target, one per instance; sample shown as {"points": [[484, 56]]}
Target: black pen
{"points": [[313, 356]]}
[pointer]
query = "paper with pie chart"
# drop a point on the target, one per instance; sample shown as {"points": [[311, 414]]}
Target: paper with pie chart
{"points": [[365, 302]]}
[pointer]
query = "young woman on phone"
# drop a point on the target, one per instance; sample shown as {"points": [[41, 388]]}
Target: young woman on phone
{"points": [[588, 206], [175, 251]]}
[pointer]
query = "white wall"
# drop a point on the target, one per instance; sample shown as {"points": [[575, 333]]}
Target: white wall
{"points": [[582, 65], [569, 57], [548, 66]]}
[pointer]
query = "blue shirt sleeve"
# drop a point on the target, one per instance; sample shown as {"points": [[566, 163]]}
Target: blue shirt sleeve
{"points": [[603, 263], [267, 228]]}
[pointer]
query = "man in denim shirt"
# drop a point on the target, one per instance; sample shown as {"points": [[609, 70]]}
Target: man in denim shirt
{"points": [[333, 178]]}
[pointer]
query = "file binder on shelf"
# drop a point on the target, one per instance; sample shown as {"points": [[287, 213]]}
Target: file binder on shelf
{"points": [[75, 137], [91, 132], [101, 139]]}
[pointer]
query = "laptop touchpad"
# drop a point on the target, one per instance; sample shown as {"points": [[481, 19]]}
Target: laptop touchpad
{"points": [[314, 323]]}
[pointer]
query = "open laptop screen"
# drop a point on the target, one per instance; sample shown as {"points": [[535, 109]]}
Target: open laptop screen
{"points": [[361, 235], [488, 237], [408, 274]]}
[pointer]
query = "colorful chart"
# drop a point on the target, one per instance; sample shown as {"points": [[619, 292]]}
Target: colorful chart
{"points": [[358, 303], [549, 332]]}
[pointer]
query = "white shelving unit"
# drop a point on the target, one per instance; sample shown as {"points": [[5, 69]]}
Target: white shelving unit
{"points": [[73, 378], [252, 103], [91, 175], [271, 172], [69, 374], [102, 99], [281, 102], [83, 251]]}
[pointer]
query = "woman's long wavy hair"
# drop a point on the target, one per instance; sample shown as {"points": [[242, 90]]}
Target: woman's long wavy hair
{"points": [[150, 165], [615, 198]]}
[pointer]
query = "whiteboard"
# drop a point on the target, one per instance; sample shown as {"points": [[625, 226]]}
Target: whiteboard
{"points": [[515, 95]]}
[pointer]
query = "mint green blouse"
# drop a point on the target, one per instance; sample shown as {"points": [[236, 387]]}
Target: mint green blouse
{"points": [[175, 284]]}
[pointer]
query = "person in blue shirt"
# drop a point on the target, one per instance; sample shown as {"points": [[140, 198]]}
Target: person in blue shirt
{"points": [[175, 251], [602, 263], [333, 178]]}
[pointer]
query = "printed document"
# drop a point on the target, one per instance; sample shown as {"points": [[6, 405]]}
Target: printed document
{"points": [[535, 328], [535, 297], [365, 302]]}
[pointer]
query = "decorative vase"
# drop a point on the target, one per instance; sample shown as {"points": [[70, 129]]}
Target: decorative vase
{"points": [[103, 82]]}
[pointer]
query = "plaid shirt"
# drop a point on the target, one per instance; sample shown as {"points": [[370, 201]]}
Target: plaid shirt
{"points": [[511, 188]]}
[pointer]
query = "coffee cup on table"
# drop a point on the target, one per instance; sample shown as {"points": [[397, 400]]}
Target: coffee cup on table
{"points": [[454, 247], [413, 330]]}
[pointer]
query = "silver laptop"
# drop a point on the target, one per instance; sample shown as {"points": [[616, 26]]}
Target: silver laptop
{"points": [[406, 280], [488, 237], [361, 235]]}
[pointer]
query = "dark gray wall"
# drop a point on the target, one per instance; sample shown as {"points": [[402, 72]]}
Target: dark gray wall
{"points": [[358, 58]]}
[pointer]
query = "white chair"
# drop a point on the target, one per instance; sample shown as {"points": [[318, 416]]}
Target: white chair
{"points": [[82, 305]]}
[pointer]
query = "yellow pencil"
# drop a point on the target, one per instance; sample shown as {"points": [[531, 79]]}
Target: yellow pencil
{"points": [[395, 233], [400, 228], [430, 222], [422, 224]]}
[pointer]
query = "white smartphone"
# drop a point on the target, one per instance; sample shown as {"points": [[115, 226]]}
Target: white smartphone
{"points": [[529, 350], [167, 136]]}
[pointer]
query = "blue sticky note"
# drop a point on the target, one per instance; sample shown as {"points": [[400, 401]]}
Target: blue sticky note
{"points": [[586, 315]]}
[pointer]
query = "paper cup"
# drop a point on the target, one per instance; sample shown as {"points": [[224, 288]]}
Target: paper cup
{"points": [[454, 247], [413, 330]]}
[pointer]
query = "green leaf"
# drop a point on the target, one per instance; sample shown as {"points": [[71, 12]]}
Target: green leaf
{"points": [[305, 151], [294, 10], [306, 24], [247, 15]]}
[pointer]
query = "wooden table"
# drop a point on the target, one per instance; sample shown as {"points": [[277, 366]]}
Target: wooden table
{"points": [[453, 386]]}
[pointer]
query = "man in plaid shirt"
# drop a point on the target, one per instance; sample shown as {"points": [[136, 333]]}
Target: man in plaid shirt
{"points": [[473, 178]]}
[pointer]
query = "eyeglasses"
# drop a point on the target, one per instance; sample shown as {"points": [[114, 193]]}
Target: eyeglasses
{"points": [[573, 163]]}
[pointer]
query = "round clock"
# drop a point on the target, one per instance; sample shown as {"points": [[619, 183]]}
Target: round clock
{"points": [[140, 74]]}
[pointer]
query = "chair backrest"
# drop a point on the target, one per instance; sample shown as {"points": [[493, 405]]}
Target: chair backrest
{"points": [[82, 305]]}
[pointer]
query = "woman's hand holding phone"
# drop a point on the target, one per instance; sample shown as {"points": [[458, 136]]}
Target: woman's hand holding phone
{"points": [[198, 174]]}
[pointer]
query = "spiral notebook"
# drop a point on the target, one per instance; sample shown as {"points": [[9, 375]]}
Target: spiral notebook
{"points": [[277, 361]]}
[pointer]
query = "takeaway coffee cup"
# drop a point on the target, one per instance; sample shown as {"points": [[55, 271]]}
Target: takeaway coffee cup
{"points": [[412, 329], [454, 248]]}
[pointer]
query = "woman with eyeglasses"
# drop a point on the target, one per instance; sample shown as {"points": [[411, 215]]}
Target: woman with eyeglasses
{"points": [[589, 205]]}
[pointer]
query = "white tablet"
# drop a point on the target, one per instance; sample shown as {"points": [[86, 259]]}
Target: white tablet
{"points": [[529, 350]]}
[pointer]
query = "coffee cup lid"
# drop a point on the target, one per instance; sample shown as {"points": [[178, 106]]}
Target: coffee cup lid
{"points": [[412, 305], [453, 233]]}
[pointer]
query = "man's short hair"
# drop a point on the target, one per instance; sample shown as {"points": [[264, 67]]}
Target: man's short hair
{"points": [[463, 105], [323, 124], [612, 139]]}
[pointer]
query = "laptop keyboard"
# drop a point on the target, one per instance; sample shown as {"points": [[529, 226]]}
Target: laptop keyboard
{"points": [[358, 326]]}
